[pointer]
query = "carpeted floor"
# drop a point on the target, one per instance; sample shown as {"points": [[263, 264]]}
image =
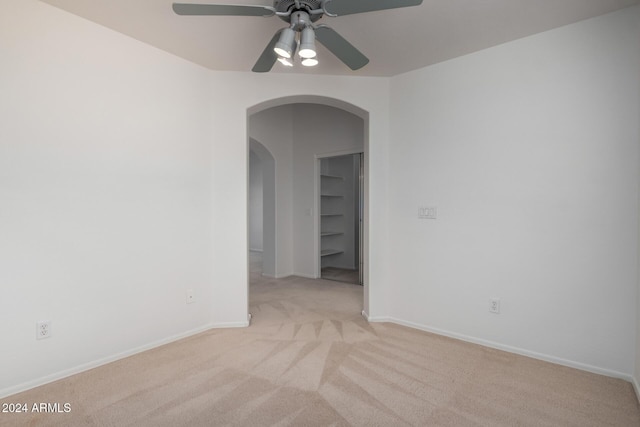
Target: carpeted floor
{"points": [[309, 359], [340, 275]]}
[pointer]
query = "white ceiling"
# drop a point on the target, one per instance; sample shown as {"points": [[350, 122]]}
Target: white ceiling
{"points": [[395, 41]]}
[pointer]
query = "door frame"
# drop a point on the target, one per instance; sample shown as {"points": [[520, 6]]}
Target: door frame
{"points": [[316, 209], [364, 114]]}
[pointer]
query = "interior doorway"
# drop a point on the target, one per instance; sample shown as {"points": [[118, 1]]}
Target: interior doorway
{"points": [[341, 207], [294, 131], [262, 211]]}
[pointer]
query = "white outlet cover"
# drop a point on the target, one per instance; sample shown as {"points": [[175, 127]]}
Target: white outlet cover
{"points": [[43, 329], [190, 296], [494, 305]]}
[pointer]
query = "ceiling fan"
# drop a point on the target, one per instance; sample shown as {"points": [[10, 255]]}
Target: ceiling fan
{"points": [[302, 31]]}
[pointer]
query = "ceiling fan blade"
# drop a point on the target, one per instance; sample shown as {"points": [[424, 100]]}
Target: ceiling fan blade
{"points": [[340, 47], [222, 9], [268, 56], [349, 7]]}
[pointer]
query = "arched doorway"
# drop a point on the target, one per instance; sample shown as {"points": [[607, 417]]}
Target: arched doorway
{"points": [[281, 251], [262, 210]]}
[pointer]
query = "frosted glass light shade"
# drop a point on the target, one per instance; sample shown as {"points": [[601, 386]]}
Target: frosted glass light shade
{"points": [[286, 61], [309, 62], [286, 44], [307, 43]]}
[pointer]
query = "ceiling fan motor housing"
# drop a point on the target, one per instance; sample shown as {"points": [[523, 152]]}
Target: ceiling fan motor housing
{"points": [[304, 7]]}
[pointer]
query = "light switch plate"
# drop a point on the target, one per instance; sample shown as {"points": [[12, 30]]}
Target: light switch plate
{"points": [[427, 212]]}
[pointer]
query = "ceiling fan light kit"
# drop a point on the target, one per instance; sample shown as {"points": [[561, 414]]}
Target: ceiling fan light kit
{"points": [[302, 32], [310, 62], [285, 61], [307, 43], [286, 44]]}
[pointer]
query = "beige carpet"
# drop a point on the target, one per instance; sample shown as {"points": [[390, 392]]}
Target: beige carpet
{"points": [[310, 359], [340, 275]]}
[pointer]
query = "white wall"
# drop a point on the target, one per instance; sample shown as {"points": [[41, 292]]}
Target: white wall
{"points": [[255, 202], [319, 130], [636, 379], [123, 182], [529, 150], [105, 194], [273, 128], [636, 372], [267, 214]]}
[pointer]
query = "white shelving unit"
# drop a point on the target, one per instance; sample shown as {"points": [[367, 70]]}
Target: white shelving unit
{"points": [[339, 217], [327, 252], [331, 216]]}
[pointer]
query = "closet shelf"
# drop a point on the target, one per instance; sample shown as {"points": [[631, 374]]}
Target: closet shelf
{"points": [[331, 176], [331, 214], [331, 195], [327, 252], [330, 233]]}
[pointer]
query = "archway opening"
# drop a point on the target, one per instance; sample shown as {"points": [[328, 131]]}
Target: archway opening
{"points": [[262, 211], [295, 224]]}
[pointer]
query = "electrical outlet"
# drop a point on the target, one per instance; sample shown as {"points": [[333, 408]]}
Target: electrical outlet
{"points": [[494, 305], [43, 330], [190, 296]]}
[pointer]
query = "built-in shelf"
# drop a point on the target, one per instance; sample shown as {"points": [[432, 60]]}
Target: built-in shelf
{"points": [[330, 176], [327, 252], [334, 193]]}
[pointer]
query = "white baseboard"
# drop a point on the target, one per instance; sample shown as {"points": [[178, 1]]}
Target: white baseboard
{"points": [[105, 360], [276, 276], [510, 349], [241, 324], [284, 276], [305, 275], [380, 319]]}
